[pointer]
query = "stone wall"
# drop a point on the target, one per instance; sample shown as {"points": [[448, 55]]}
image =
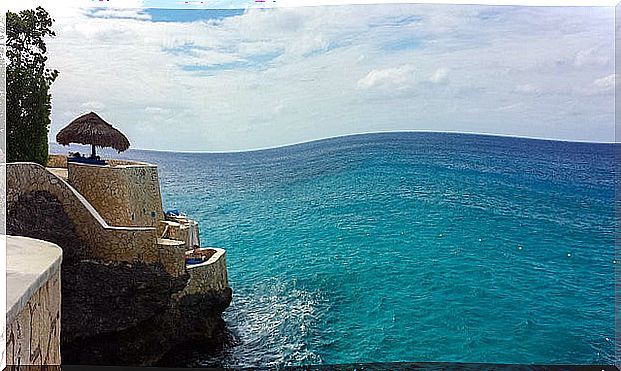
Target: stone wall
{"points": [[123, 244], [172, 255], [33, 337], [209, 276], [124, 194], [33, 302], [57, 161]]}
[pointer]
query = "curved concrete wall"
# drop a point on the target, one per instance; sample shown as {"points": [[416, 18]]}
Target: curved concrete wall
{"points": [[211, 275], [33, 302], [106, 242], [123, 194]]}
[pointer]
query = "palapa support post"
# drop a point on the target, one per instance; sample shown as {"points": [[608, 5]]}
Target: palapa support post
{"points": [[92, 151]]}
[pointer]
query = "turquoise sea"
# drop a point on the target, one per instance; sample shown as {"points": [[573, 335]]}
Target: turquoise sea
{"points": [[407, 247]]}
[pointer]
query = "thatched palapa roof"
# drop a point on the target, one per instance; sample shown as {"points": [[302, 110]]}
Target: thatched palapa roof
{"points": [[92, 129]]}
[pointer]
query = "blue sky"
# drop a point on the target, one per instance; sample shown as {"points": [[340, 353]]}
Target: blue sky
{"points": [[222, 80]]}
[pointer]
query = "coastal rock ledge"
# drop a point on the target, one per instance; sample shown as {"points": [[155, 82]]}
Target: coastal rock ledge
{"points": [[116, 312]]}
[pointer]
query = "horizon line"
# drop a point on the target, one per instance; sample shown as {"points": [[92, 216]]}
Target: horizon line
{"points": [[367, 133]]}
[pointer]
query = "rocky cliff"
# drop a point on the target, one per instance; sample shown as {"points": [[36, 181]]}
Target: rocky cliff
{"points": [[116, 313]]}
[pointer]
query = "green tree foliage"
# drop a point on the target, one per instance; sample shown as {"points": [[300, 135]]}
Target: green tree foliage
{"points": [[28, 102]]}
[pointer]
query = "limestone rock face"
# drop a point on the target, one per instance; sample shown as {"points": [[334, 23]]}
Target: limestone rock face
{"points": [[39, 214], [116, 313], [111, 297]]}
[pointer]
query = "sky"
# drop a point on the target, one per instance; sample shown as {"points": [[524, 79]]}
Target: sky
{"points": [[232, 80]]}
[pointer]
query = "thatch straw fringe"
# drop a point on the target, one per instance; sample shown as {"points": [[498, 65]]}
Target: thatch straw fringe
{"points": [[92, 129]]}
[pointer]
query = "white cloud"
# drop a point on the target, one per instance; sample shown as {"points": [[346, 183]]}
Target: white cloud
{"points": [[527, 89], [510, 107], [604, 85], [137, 14], [200, 57], [279, 107], [93, 105], [157, 110], [389, 78], [440, 76], [592, 57]]}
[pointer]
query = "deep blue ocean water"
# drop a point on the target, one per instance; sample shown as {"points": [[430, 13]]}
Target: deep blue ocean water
{"points": [[407, 247]]}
